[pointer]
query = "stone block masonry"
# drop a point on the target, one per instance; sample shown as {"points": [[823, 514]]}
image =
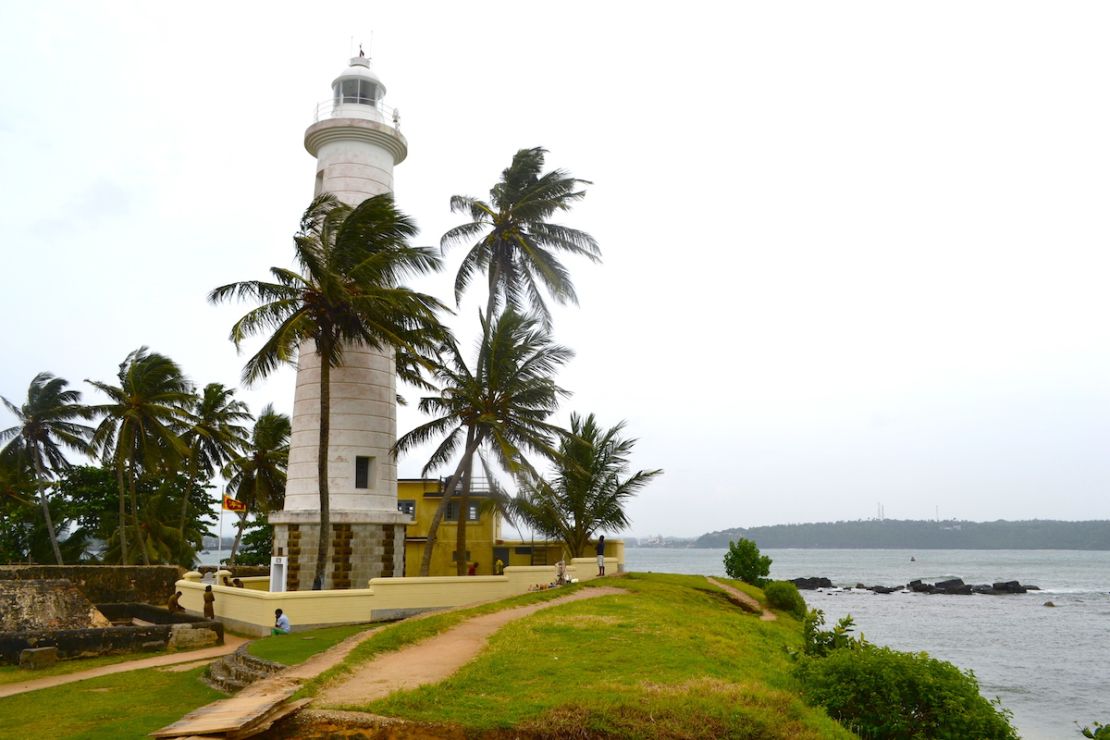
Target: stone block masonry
{"points": [[362, 547]]}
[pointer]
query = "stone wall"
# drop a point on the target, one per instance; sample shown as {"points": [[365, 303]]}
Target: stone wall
{"points": [[145, 584], [78, 643], [54, 604]]}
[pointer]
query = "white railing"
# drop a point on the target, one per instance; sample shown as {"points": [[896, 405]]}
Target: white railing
{"points": [[351, 107]]}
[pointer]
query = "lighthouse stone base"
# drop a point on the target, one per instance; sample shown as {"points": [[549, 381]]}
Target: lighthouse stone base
{"points": [[364, 545]]}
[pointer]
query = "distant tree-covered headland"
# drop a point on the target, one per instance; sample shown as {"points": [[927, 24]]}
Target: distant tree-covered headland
{"points": [[1037, 534]]}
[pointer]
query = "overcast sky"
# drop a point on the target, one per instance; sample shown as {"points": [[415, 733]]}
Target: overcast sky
{"points": [[854, 253]]}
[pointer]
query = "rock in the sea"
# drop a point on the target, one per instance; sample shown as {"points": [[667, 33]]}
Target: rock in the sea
{"points": [[1049, 603], [1009, 587], [885, 589], [812, 583], [920, 588]]}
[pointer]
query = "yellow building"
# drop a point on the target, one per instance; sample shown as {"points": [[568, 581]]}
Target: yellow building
{"points": [[419, 498]]}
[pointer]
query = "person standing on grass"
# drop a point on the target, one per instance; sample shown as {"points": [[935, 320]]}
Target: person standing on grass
{"points": [[209, 603], [281, 624], [601, 555]]}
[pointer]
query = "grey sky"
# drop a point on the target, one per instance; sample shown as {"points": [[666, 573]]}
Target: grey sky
{"points": [[854, 253]]}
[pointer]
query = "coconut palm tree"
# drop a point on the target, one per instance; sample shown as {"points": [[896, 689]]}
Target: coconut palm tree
{"points": [[589, 488], [348, 291], [501, 404], [214, 436], [516, 243], [46, 424], [257, 475], [140, 428]]}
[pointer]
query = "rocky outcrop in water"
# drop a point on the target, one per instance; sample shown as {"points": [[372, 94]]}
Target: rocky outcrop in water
{"points": [[950, 587]]}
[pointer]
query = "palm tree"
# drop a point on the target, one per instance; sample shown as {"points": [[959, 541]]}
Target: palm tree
{"points": [[46, 425], [589, 489], [348, 292], [140, 428], [213, 437], [502, 404], [515, 242], [257, 476]]}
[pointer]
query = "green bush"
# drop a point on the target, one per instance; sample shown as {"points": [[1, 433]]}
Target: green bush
{"points": [[1097, 731], [744, 563], [784, 595], [882, 693]]}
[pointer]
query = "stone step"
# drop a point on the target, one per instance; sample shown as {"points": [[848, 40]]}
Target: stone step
{"points": [[238, 670]]}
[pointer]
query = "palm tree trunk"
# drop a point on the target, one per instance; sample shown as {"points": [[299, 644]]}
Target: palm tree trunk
{"points": [[40, 475], [472, 442], [122, 512], [322, 470], [238, 537], [190, 485], [491, 303], [135, 517], [461, 561]]}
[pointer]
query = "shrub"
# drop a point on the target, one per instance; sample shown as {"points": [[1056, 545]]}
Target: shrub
{"points": [[784, 595], [884, 693], [1097, 731], [819, 643], [744, 563]]}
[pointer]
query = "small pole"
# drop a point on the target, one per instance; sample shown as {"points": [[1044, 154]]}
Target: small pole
{"points": [[220, 550]]}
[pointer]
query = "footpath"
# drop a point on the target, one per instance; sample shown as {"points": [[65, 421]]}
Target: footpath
{"points": [[192, 657]]}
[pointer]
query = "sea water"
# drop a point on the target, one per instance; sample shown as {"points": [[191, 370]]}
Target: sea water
{"points": [[1049, 666]]}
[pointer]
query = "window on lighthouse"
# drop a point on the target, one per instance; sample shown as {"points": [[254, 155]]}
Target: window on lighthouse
{"points": [[362, 472], [359, 91]]}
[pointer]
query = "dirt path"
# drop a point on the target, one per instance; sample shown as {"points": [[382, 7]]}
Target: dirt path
{"points": [[436, 658], [231, 642], [754, 606]]}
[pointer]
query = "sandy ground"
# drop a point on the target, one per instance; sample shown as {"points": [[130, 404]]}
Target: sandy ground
{"points": [[434, 659], [195, 657], [765, 614]]}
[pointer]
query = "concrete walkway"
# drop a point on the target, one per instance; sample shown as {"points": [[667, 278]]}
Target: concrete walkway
{"points": [[231, 642]]}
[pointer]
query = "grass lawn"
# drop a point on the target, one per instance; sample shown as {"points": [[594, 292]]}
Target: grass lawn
{"points": [[124, 705], [15, 674], [300, 646], [673, 658]]}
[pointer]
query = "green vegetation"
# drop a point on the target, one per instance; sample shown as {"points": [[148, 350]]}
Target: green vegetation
{"points": [[743, 562], [123, 705], [256, 477], [622, 666], [501, 403], [884, 693], [924, 535], [784, 595], [15, 674], [300, 646], [1097, 731], [589, 488]]}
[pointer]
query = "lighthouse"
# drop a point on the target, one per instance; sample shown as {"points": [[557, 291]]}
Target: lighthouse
{"points": [[356, 141]]}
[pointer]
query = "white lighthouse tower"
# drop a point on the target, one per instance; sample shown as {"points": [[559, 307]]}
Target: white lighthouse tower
{"points": [[356, 143]]}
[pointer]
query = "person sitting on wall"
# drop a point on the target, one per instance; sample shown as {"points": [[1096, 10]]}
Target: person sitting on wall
{"points": [[209, 603], [561, 573], [237, 583], [281, 624], [227, 582], [473, 569], [499, 567], [174, 603]]}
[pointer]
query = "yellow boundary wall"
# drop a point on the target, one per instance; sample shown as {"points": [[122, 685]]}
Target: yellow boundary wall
{"points": [[250, 610]]}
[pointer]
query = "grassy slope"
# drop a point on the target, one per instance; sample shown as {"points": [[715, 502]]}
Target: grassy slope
{"points": [[300, 646], [673, 658], [123, 705]]}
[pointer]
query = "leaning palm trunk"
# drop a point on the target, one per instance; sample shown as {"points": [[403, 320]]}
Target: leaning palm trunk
{"points": [[122, 512], [461, 560], [472, 443], [322, 470], [189, 486], [238, 537], [135, 516], [39, 473]]}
